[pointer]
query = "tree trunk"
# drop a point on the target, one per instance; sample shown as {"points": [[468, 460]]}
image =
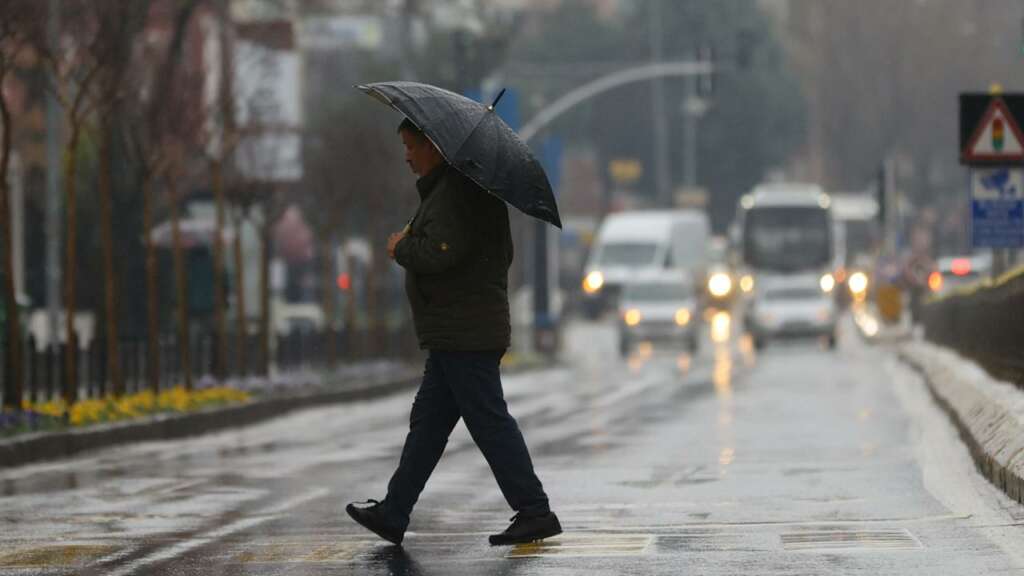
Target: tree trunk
{"points": [[240, 329], [110, 296], [218, 273], [265, 245], [179, 281], [152, 303], [70, 265], [13, 390]]}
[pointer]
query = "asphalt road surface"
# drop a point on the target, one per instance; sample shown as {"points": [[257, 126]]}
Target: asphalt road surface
{"points": [[794, 460]]}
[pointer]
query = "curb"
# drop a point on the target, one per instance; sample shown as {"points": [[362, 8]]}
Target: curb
{"points": [[62, 444], [994, 436]]}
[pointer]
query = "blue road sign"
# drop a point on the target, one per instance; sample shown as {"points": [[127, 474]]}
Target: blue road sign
{"points": [[997, 208]]}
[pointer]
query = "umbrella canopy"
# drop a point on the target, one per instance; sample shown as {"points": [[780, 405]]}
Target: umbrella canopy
{"points": [[476, 142]]}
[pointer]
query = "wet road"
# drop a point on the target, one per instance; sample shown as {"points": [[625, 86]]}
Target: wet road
{"points": [[792, 461]]}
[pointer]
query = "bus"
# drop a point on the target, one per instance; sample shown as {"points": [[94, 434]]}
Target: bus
{"points": [[785, 246]]}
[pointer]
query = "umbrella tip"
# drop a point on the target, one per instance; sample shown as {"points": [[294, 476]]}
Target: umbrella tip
{"points": [[496, 99]]}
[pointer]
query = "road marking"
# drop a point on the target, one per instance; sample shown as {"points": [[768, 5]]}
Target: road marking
{"points": [[243, 524], [297, 552], [850, 540], [64, 556], [584, 545]]}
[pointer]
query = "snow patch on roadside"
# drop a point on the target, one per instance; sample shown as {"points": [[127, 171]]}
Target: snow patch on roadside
{"points": [[964, 371], [947, 470]]}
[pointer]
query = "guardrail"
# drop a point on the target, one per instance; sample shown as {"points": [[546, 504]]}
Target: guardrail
{"points": [[984, 322], [44, 376]]}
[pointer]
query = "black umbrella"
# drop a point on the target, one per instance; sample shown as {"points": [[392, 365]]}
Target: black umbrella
{"points": [[476, 141]]}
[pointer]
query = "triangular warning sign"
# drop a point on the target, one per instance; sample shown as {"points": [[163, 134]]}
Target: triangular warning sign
{"points": [[997, 138]]}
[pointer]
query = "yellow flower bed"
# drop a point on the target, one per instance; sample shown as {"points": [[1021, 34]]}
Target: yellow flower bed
{"points": [[111, 409]]}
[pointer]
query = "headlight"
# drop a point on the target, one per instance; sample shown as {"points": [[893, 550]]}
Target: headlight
{"points": [[593, 282], [827, 283], [747, 283], [719, 284], [632, 317], [858, 283], [682, 317]]}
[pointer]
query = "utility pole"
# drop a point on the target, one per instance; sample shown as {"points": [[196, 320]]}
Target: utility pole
{"points": [[691, 114], [53, 146], [891, 222], [408, 9], [695, 105], [660, 127]]}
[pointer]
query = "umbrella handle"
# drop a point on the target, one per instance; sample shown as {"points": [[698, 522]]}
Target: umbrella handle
{"points": [[496, 99]]}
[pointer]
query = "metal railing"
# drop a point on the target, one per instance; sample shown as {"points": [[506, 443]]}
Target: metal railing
{"points": [[984, 322], [44, 375]]}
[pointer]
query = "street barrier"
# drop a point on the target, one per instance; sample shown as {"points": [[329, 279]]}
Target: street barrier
{"points": [[43, 368], [984, 322]]}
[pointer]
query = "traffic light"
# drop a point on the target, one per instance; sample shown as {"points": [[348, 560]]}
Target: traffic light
{"points": [[745, 41]]}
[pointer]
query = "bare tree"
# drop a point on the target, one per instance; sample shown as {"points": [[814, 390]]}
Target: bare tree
{"points": [[874, 89], [355, 172], [120, 24], [327, 201], [18, 34], [78, 62], [153, 124], [218, 166]]}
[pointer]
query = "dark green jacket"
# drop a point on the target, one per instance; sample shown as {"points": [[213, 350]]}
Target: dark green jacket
{"points": [[456, 257]]}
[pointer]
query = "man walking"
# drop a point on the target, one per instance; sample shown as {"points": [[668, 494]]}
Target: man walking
{"points": [[456, 252]]}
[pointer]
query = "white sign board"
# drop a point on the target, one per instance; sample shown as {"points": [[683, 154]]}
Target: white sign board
{"points": [[268, 113], [270, 157], [268, 86], [342, 32]]}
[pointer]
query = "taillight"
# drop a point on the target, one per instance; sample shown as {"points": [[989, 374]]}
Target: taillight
{"points": [[961, 266]]}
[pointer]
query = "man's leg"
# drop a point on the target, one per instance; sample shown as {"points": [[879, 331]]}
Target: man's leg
{"points": [[475, 381], [434, 415]]}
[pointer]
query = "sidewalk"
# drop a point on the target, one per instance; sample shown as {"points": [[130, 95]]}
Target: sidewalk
{"points": [[272, 397], [988, 413]]}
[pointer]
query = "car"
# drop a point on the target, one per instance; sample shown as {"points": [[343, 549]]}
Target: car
{"points": [[721, 285], [658, 307], [955, 271], [791, 306]]}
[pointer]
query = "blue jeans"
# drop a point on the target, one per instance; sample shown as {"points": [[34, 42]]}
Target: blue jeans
{"points": [[466, 385]]}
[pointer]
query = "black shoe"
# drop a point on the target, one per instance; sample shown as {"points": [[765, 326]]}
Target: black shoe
{"points": [[526, 529], [370, 516]]}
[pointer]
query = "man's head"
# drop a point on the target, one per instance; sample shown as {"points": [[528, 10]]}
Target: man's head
{"points": [[420, 153]]}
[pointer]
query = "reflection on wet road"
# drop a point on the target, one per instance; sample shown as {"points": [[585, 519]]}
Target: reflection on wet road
{"points": [[792, 460]]}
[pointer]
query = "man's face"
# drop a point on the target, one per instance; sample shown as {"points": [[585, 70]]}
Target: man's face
{"points": [[420, 153]]}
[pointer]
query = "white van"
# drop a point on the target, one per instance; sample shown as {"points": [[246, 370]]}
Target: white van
{"points": [[632, 242]]}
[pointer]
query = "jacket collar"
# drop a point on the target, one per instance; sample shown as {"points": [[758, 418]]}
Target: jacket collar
{"points": [[427, 182]]}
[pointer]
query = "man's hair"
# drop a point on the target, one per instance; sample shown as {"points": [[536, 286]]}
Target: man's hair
{"points": [[408, 126]]}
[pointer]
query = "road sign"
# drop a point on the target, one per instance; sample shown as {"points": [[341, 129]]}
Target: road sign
{"points": [[990, 132], [997, 207]]}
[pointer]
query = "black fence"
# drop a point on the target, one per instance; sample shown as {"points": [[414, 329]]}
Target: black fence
{"points": [[985, 324], [44, 372]]}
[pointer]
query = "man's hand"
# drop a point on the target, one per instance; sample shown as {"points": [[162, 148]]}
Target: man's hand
{"points": [[393, 241]]}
